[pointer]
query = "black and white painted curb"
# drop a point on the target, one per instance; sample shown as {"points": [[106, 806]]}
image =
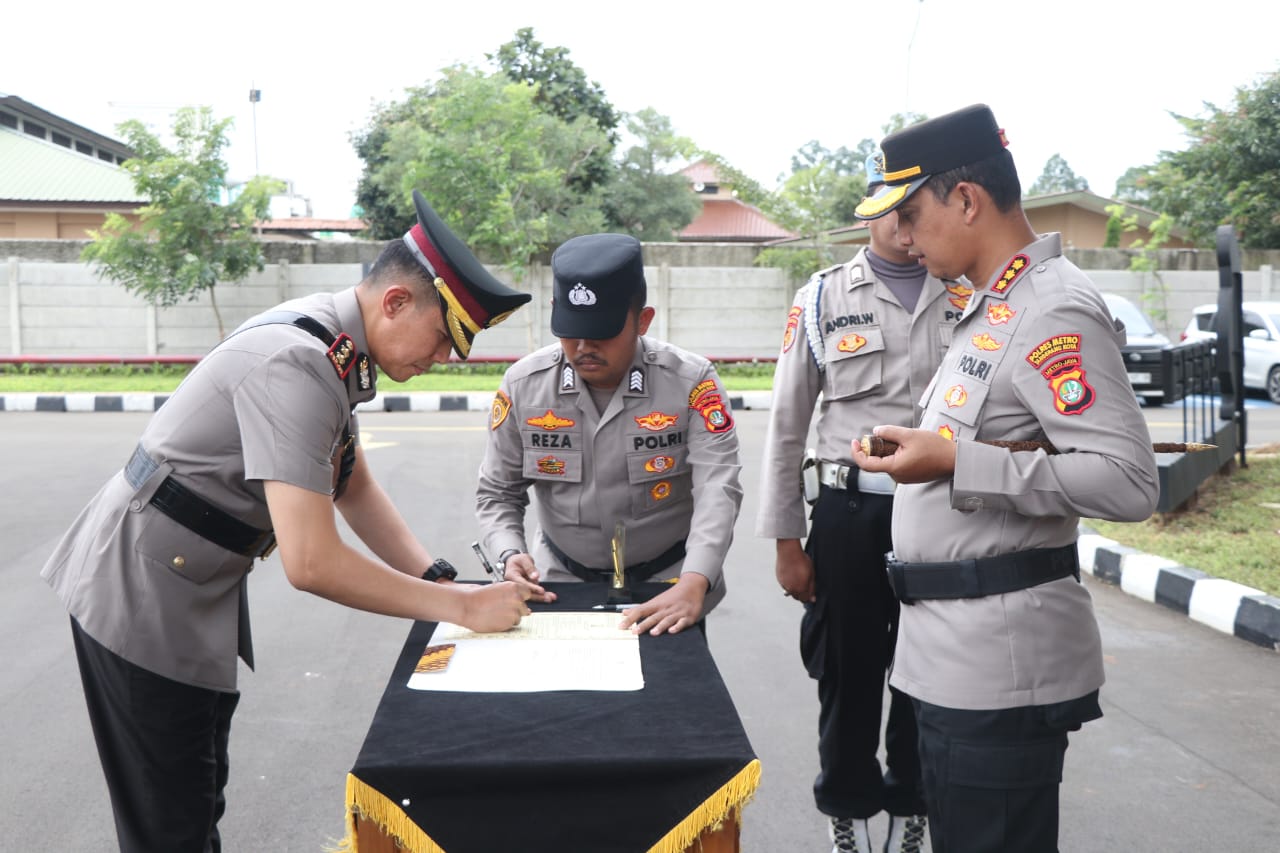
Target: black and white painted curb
{"points": [[1224, 605], [418, 401], [1221, 604]]}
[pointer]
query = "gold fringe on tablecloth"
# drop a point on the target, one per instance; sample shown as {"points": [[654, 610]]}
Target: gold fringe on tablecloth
{"points": [[365, 801], [713, 812]]}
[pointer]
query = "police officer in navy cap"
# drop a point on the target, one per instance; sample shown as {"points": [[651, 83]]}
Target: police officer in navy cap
{"points": [[607, 426], [256, 450], [997, 641]]}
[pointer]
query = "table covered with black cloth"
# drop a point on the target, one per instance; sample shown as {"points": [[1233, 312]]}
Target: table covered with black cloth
{"points": [[630, 771]]}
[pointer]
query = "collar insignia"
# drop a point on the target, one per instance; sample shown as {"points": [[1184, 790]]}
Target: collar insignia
{"points": [[568, 378], [364, 373], [635, 381]]}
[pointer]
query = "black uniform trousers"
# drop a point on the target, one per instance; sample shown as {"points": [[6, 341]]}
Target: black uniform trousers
{"points": [[992, 777], [846, 641], [163, 748]]}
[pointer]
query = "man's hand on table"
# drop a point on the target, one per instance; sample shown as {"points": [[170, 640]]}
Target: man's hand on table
{"points": [[671, 611]]}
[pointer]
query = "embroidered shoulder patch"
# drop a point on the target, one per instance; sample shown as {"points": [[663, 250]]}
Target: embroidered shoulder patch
{"points": [[793, 323], [499, 410], [703, 388], [1009, 277], [343, 354], [851, 342], [1051, 348], [1072, 394]]}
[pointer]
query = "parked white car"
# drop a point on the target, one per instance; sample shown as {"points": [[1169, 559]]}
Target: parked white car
{"points": [[1261, 331]]}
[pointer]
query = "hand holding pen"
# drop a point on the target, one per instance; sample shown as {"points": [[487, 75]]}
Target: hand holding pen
{"points": [[518, 569]]}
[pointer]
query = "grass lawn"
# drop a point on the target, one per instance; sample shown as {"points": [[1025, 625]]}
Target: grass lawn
{"points": [[1232, 531], [118, 379]]}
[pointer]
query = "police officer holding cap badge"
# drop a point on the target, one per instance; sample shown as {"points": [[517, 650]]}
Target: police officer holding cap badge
{"points": [[862, 341], [612, 426], [254, 451], [998, 645]]}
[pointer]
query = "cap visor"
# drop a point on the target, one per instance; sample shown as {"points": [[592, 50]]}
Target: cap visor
{"points": [[886, 198], [589, 326]]}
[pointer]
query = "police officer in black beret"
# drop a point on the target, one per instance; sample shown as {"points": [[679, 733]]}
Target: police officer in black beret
{"points": [[607, 426]]}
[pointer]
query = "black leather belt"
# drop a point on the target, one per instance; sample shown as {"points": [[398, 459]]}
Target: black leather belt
{"points": [[638, 572], [983, 576], [197, 514]]}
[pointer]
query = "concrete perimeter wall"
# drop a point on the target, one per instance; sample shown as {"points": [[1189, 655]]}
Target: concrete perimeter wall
{"points": [[709, 298]]}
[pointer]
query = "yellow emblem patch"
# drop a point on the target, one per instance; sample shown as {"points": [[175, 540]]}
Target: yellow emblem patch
{"points": [[851, 342], [655, 421], [985, 342], [660, 491], [550, 421], [658, 464], [551, 465]]}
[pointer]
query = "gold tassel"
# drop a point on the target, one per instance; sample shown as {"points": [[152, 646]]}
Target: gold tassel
{"points": [[368, 803], [713, 812]]}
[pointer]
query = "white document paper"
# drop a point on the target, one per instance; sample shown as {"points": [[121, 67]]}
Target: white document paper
{"points": [[545, 652]]}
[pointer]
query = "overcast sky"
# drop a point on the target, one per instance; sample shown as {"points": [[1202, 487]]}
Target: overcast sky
{"points": [[1092, 80]]}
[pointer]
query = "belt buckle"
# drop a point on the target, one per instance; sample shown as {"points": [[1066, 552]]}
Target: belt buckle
{"points": [[270, 545]]}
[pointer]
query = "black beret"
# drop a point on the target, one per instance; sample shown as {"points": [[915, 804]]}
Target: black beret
{"points": [[941, 144], [596, 279]]}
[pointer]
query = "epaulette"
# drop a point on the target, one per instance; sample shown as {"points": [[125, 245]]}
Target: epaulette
{"points": [[535, 362]]}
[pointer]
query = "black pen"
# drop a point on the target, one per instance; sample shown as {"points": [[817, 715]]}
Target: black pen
{"points": [[493, 570], [613, 608]]}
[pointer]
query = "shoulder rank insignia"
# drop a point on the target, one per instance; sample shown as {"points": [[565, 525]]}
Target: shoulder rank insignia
{"points": [[635, 380], [550, 421], [655, 421], [568, 378], [499, 410], [1010, 275], [343, 354]]}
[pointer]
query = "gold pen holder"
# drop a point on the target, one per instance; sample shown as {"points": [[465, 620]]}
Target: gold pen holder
{"points": [[619, 592]]}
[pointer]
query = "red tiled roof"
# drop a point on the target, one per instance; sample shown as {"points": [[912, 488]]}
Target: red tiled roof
{"points": [[701, 172], [729, 220]]}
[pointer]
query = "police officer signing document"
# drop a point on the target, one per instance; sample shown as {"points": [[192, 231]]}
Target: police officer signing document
{"points": [[998, 645], [255, 449], [864, 339], [612, 426]]}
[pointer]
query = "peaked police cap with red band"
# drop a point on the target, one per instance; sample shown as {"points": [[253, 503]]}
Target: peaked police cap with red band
{"points": [[473, 298], [914, 154]]}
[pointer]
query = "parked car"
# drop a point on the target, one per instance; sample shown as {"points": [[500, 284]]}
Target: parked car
{"points": [[1261, 332], [1142, 358]]}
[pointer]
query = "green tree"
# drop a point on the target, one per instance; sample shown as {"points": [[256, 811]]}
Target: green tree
{"points": [[185, 241], [1229, 173], [562, 90], [498, 169], [645, 198], [1145, 257], [1057, 177]]}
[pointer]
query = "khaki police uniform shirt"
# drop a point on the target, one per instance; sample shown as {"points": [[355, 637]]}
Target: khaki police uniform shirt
{"points": [[662, 458], [1036, 356], [265, 404], [879, 359]]}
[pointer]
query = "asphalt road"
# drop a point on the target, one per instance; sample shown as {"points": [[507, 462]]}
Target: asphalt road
{"points": [[1186, 758]]}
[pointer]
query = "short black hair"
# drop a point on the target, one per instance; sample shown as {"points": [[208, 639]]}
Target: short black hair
{"points": [[995, 174], [397, 261]]}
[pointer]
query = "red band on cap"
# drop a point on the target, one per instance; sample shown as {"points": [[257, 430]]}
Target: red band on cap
{"points": [[460, 292]]}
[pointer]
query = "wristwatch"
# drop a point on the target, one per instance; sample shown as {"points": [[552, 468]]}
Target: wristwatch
{"points": [[507, 555], [440, 570]]}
